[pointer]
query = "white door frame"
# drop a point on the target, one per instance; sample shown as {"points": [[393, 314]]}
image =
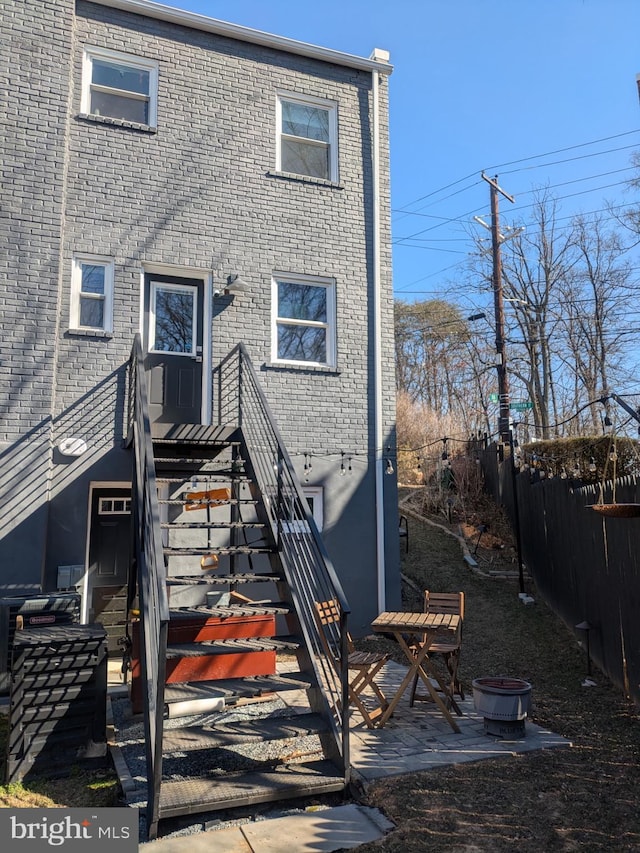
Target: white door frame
{"points": [[207, 280]]}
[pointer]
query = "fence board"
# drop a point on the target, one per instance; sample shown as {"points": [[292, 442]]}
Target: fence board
{"points": [[586, 566]]}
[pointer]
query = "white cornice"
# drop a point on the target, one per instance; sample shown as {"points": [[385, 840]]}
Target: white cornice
{"points": [[235, 31]]}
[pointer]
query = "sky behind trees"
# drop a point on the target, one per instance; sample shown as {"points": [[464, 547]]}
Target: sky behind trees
{"points": [[482, 86]]}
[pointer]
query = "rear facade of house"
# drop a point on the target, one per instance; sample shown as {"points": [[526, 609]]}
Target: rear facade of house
{"points": [[201, 185]]}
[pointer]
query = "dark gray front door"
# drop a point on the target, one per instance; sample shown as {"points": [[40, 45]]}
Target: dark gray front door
{"points": [[109, 561], [173, 341]]}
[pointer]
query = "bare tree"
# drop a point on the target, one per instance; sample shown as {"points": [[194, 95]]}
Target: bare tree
{"points": [[594, 300], [439, 362]]}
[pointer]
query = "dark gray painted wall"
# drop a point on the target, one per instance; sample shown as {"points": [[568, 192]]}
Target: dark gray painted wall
{"points": [[200, 193]]}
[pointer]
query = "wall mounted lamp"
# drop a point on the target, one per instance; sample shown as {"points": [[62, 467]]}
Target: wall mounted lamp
{"points": [[72, 446], [234, 284]]}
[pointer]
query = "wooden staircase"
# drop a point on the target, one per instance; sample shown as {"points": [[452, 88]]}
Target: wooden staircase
{"points": [[232, 621]]}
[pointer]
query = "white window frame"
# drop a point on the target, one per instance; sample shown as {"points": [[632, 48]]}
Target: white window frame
{"points": [[317, 493], [90, 53], [321, 103], [330, 324], [76, 291], [301, 526], [106, 506]]}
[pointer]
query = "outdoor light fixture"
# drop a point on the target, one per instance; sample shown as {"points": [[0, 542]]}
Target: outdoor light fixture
{"points": [[234, 284], [72, 446], [586, 627]]}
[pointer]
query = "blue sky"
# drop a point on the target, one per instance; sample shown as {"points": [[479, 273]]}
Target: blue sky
{"points": [[482, 86]]}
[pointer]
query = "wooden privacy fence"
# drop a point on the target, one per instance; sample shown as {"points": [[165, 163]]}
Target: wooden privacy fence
{"points": [[585, 565]]}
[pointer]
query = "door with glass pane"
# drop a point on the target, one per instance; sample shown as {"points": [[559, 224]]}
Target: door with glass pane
{"points": [[173, 343]]}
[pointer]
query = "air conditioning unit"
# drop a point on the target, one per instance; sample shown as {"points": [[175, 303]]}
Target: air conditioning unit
{"points": [[32, 611]]}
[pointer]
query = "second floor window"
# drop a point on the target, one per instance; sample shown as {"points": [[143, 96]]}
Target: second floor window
{"points": [[307, 137], [120, 86], [92, 293]]}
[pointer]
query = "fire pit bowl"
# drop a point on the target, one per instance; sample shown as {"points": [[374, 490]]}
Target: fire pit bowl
{"points": [[504, 703]]}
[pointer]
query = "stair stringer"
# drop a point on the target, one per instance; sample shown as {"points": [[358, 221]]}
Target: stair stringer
{"points": [[335, 746]]}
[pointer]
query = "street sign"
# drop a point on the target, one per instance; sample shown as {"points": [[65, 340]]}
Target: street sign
{"points": [[521, 406], [494, 398]]}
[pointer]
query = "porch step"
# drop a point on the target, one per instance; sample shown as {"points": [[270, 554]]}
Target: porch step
{"points": [[193, 434], [221, 580], [221, 735], [232, 690], [219, 648], [212, 525], [253, 608], [212, 549], [221, 475], [194, 796], [177, 461], [214, 503]]}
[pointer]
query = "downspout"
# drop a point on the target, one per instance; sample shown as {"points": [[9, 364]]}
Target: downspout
{"points": [[377, 336]]}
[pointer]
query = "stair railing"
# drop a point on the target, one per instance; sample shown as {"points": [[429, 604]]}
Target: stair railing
{"points": [[308, 569], [151, 580]]}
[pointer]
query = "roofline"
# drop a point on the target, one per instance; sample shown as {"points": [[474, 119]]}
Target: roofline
{"points": [[236, 31]]}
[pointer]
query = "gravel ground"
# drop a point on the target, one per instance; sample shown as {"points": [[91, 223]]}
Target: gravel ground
{"points": [[130, 740]]}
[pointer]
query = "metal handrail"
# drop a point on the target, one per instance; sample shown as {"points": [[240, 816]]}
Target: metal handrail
{"points": [[151, 580], [308, 569], [307, 566]]}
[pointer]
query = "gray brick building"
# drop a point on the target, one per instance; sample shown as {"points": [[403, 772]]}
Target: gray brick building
{"points": [[151, 156]]}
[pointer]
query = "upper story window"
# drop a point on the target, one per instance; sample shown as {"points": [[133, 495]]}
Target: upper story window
{"points": [[304, 320], [92, 293], [307, 136], [119, 86]]}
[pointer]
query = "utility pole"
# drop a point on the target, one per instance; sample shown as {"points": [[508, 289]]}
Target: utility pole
{"points": [[503, 377]]}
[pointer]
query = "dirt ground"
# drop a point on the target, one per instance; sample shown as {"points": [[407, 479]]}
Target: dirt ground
{"points": [[584, 798]]}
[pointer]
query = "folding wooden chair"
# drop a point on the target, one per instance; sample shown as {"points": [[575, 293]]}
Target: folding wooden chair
{"points": [[364, 665], [448, 646]]}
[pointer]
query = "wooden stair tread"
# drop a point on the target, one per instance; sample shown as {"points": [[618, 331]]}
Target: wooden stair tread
{"points": [[192, 796], [213, 504], [217, 736], [212, 525], [212, 578], [229, 611], [232, 689], [219, 475], [171, 433], [244, 645], [203, 550]]}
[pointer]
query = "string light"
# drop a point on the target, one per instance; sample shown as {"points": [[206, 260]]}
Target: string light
{"points": [[390, 468]]}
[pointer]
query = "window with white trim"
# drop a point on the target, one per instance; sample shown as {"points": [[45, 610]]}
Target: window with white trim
{"points": [[92, 293], [307, 141], [119, 86], [313, 495], [114, 506], [304, 323]]}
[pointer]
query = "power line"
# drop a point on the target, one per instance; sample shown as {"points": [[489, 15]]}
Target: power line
{"points": [[577, 146]]}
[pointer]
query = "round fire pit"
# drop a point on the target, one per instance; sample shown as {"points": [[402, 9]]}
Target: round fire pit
{"points": [[504, 702]]}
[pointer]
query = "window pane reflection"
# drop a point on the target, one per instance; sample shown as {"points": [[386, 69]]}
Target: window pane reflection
{"points": [[174, 312]]}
